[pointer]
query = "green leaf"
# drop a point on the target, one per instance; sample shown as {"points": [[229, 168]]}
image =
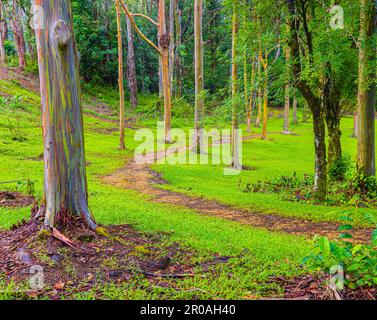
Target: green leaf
{"points": [[374, 237], [345, 236], [345, 227]]}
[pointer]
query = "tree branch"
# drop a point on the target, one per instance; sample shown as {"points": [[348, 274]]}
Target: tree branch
{"points": [[138, 31]]}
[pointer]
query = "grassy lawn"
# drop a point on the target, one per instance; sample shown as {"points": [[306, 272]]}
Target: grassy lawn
{"points": [[256, 255], [280, 155]]}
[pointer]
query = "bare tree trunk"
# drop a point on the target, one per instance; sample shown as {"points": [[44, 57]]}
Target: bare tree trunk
{"points": [[367, 90], [249, 111], [260, 95], [18, 36], [235, 147], [172, 43], [65, 186], [131, 65], [122, 145], [287, 92], [165, 44], [3, 34], [199, 76], [294, 116], [178, 38]]}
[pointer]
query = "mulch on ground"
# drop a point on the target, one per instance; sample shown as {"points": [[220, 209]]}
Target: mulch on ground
{"points": [[15, 199]]}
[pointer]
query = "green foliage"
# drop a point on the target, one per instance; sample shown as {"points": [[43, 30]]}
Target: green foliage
{"points": [[339, 167], [358, 261]]}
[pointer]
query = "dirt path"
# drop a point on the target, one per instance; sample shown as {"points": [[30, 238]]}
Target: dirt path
{"points": [[141, 178]]}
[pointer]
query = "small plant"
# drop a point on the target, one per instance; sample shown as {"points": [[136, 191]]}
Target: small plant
{"points": [[28, 184], [358, 262]]}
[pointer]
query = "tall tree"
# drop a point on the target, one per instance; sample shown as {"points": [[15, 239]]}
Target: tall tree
{"points": [[122, 145], [287, 105], [163, 52], [3, 33], [131, 65], [199, 75], [65, 186], [314, 102], [235, 145], [18, 35], [367, 89]]}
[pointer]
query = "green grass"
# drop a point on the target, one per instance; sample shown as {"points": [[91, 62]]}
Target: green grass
{"points": [[280, 155], [258, 254]]}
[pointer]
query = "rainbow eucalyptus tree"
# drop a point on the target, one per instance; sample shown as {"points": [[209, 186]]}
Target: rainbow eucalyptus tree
{"points": [[65, 186]]}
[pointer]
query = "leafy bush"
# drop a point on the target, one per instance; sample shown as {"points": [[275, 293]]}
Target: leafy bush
{"points": [[339, 167], [358, 262]]}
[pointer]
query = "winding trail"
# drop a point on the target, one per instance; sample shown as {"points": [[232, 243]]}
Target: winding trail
{"points": [[141, 178]]}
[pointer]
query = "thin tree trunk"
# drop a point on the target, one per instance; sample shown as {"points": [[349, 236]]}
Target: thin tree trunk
{"points": [[131, 65], [65, 186], [235, 147], [265, 98], [122, 145], [18, 36], [178, 38], [3, 34], [165, 44], [199, 76], [251, 97], [260, 95], [294, 115], [287, 92], [367, 90], [172, 43]]}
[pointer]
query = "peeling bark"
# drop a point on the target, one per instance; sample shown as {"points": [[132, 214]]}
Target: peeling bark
{"points": [[65, 186]]}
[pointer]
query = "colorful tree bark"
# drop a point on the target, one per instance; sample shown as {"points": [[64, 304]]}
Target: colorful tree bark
{"points": [[65, 186]]}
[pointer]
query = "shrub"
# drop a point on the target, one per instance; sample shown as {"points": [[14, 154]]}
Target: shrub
{"points": [[339, 167], [358, 262]]}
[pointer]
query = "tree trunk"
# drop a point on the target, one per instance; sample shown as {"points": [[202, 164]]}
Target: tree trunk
{"points": [[122, 145], [260, 95], [294, 116], [131, 65], [18, 36], [164, 42], [320, 181], [287, 92], [65, 186], [3, 34], [178, 39], [265, 99], [367, 90], [199, 76], [331, 100], [251, 96], [172, 43], [235, 147]]}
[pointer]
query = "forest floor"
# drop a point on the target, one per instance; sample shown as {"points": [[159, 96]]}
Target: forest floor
{"points": [[177, 231]]}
